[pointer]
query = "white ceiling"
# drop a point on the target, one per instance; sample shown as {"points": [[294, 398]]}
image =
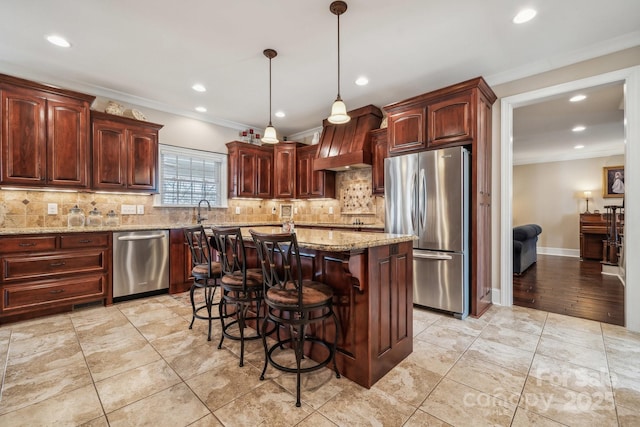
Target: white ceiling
{"points": [[150, 52]]}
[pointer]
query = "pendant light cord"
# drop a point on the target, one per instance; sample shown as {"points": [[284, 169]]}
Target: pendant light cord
{"points": [[269, 91], [338, 56]]}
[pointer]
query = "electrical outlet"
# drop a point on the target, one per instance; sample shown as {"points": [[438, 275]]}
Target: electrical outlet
{"points": [[295, 211], [52, 209], [237, 210], [128, 209], [330, 210], [140, 209]]}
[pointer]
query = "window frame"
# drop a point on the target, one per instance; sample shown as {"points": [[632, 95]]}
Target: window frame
{"points": [[222, 158]]}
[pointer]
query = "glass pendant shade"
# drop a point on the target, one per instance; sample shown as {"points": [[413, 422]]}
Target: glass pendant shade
{"points": [[338, 113], [270, 135]]}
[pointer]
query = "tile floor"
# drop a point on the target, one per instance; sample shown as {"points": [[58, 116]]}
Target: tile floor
{"points": [[137, 363]]}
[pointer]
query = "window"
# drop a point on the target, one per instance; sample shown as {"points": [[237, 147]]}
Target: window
{"points": [[188, 176]]}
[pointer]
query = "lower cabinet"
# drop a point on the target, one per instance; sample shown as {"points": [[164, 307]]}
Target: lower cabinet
{"points": [[41, 274], [180, 278]]}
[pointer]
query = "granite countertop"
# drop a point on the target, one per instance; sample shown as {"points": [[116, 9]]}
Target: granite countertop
{"points": [[336, 240]]}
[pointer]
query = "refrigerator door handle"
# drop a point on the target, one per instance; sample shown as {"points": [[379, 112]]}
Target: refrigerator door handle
{"points": [[423, 199], [433, 256], [413, 203]]}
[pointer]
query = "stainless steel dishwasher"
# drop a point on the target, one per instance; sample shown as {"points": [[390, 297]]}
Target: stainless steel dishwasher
{"points": [[140, 263]]}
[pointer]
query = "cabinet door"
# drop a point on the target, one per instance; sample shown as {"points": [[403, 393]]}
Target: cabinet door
{"points": [[23, 136], [284, 167], [142, 159], [450, 120], [313, 184], [407, 130], [303, 171], [67, 142], [109, 156], [380, 149], [247, 170], [264, 175]]}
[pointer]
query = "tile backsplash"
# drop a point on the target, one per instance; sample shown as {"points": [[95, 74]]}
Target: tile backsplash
{"points": [[29, 208]]}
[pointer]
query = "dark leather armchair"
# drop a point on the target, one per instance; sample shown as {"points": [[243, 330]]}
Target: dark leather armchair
{"points": [[525, 238]]}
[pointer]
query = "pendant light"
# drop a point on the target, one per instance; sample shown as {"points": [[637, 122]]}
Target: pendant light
{"points": [[338, 109], [270, 132]]}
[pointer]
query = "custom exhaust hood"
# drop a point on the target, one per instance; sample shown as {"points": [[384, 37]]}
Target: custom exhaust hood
{"points": [[345, 146]]}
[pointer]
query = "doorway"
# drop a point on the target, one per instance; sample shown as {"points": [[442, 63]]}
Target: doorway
{"points": [[631, 78]]}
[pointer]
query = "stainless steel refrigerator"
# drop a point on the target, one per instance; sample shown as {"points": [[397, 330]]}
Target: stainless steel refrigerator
{"points": [[427, 194]]}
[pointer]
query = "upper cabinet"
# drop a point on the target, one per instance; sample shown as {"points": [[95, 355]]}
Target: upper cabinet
{"points": [[407, 129], [449, 120], [125, 153], [379, 151], [313, 183], [45, 135], [250, 170], [284, 168]]}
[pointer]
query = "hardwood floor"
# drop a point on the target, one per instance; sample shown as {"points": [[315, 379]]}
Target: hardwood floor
{"points": [[569, 286]]}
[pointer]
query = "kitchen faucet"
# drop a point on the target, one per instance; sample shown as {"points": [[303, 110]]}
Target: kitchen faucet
{"points": [[200, 218]]}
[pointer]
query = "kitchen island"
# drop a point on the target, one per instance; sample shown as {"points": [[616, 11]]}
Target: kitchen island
{"points": [[372, 276]]}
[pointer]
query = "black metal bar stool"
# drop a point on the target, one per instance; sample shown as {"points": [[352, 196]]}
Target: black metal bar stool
{"points": [[241, 288], [205, 272], [294, 303]]}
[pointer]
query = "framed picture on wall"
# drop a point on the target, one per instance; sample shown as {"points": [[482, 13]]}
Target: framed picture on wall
{"points": [[613, 181]]}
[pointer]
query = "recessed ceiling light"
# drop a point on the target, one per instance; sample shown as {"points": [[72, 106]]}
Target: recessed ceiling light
{"points": [[362, 81], [578, 128], [201, 109], [58, 41], [524, 15], [578, 98], [280, 114], [199, 87], [577, 147]]}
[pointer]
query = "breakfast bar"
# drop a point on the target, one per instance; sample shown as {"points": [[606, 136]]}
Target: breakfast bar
{"points": [[371, 275]]}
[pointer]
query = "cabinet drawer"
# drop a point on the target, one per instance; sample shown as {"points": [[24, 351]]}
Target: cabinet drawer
{"points": [[27, 244], [36, 266], [89, 240], [35, 294]]}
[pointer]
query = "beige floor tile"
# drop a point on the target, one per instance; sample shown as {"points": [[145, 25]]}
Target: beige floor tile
{"points": [[315, 420], [163, 327], [98, 320], [510, 337], [5, 335], [124, 357], [31, 382], [568, 375], [409, 382], [495, 380], [131, 386], [199, 359], [432, 357], [137, 307], [41, 326], [623, 356], [268, 404], [469, 325], [510, 357], [357, 406], [628, 417], [47, 359], [98, 422], [568, 406], [447, 337], [422, 419], [520, 319], [620, 332], [31, 346], [207, 421], [626, 390], [175, 406], [423, 318], [592, 358], [117, 336], [584, 338], [225, 383], [72, 408], [316, 388], [159, 313], [524, 418], [575, 323], [458, 404]]}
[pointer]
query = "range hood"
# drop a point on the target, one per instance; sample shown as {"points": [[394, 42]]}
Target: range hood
{"points": [[348, 145]]}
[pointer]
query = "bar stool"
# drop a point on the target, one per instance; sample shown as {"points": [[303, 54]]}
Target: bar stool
{"points": [[241, 287], [205, 274], [294, 303]]}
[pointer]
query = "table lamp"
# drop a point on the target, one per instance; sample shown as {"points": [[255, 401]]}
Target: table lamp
{"points": [[587, 194]]}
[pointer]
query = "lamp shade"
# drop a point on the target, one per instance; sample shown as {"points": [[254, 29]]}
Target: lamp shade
{"points": [[587, 194], [270, 135], [338, 113]]}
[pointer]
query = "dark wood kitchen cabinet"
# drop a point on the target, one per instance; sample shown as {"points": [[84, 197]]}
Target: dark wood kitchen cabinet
{"points": [[180, 278], [313, 184], [125, 153], [47, 273], [45, 135], [380, 151], [250, 170], [452, 116], [284, 168]]}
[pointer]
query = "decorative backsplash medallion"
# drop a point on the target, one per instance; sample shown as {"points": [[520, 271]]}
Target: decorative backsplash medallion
{"points": [[356, 198]]}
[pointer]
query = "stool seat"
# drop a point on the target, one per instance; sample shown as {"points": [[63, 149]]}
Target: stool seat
{"points": [[254, 279], [313, 294], [203, 270]]}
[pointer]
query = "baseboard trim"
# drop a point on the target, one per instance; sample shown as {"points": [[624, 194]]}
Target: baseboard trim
{"points": [[575, 253]]}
